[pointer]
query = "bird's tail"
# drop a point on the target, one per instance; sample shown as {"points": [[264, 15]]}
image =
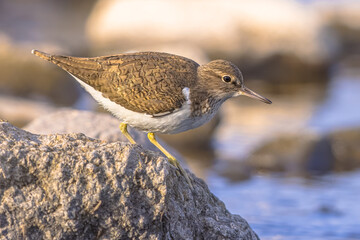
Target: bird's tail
{"points": [[79, 67], [42, 55]]}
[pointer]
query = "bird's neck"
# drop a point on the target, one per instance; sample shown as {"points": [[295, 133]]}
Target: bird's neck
{"points": [[205, 101]]}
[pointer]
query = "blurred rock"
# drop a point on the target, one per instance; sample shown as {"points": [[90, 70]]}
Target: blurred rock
{"points": [[233, 170], [247, 123], [308, 154], [20, 111], [345, 147], [287, 153], [346, 12], [199, 160], [24, 75], [38, 21], [320, 159], [265, 38], [285, 74], [343, 17], [44, 25], [187, 50], [329, 210], [96, 125], [231, 27], [183, 49], [73, 187]]}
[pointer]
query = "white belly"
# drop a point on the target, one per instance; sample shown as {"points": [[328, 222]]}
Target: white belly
{"points": [[178, 121]]}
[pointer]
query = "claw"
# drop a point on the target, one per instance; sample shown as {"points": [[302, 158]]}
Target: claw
{"points": [[171, 159], [123, 129]]}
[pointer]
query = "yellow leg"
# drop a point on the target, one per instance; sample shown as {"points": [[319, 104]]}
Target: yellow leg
{"points": [[123, 129], [172, 159]]}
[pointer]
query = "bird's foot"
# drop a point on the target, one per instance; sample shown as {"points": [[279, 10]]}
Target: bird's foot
{"points": [[175, 163], [123, 129], [171, 159]]}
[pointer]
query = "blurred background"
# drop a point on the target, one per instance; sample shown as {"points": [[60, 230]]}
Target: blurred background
{"points": [[291, 169]]}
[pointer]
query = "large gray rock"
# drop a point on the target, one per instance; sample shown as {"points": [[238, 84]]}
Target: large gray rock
{"points": [[70, 186]]}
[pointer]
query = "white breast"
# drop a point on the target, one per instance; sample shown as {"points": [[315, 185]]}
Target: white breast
{"points": [[178, 121]]}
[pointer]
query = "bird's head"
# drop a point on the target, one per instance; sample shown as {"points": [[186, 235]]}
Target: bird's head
{"points": [[224, 79]]}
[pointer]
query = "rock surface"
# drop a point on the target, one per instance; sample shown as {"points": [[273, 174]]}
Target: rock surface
{"points": [[70, 186]]}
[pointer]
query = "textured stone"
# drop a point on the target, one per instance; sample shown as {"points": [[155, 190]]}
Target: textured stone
{"points": [[69, 186]]}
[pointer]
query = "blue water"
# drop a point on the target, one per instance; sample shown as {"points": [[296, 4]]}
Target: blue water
{"points": [[283, 208], [327, 207]]}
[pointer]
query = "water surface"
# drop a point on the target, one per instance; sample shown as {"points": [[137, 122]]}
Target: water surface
{"points": [[293, 208], [277, 207]]}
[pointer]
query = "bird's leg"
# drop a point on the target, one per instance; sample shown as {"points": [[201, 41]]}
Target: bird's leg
{"points": [[123, 129], [172, 159]]}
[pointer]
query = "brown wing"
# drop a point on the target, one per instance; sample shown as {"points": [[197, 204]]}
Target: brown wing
{"points": [[146, 82]]}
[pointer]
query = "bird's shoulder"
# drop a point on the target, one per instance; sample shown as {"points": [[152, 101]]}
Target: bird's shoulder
{"points": [[143, 61]]}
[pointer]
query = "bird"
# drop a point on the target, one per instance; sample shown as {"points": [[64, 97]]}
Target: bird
{"points": [[156, 92]]}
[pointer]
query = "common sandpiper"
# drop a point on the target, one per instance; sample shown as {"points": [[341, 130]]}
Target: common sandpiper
{"points": [[156, 92]]}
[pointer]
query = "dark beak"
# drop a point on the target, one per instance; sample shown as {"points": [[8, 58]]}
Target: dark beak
{"points": [[247, 92]]}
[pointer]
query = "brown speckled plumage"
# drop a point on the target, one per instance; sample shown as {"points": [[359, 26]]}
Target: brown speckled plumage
{"points": [[144, 82], [152, 82]]}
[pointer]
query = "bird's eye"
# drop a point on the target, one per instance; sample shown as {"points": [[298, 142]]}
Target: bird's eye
{"points": [[226, 79]]}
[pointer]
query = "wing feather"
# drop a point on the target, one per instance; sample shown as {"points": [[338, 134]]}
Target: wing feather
{"points": [[145, 82]]}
